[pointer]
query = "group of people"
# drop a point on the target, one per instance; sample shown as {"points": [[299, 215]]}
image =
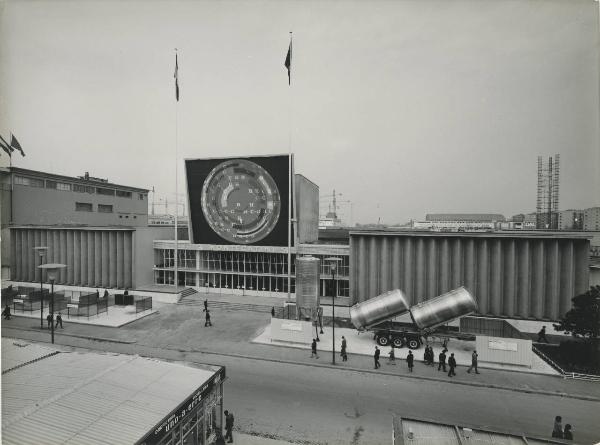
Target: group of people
{"points": [[558, 431], [50, 320]]}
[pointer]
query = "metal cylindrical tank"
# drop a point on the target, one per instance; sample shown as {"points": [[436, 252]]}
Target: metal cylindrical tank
{"points": [[383, 307], [442, 309], [307, 285]]}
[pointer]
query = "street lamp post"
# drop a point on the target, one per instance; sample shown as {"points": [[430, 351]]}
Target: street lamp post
{"points": [[41, 251], [333, 262], [52, 270]]}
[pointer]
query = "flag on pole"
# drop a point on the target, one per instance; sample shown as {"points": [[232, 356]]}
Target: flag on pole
{"points": [[176, 76], [288, 62], [14, 144], [7, 148]]}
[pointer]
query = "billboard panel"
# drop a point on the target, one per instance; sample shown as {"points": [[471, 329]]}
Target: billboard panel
{"points": [[238, 200]]}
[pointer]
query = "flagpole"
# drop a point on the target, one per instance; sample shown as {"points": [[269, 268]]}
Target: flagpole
{"points": [[290, 179], [175, 263]]}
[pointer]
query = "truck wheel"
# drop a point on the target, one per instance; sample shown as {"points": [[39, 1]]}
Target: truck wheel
{"points": [[413, 343], [398, 342], [382, 340]]}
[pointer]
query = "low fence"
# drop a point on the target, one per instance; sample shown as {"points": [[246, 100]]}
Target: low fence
{"points": [[143, 304], [565, 374]]}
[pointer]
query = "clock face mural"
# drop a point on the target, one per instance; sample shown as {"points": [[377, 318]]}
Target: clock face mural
{"points": [[238, 200]]}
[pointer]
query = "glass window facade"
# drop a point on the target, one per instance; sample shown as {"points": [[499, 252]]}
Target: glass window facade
{"points": [[242, 272]]}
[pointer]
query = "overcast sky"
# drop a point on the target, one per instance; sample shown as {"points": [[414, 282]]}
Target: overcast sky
{"points": [[406, 108]]}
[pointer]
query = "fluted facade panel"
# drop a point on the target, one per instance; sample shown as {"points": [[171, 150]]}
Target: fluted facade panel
{"points": [[94, 258], [511, 275]]}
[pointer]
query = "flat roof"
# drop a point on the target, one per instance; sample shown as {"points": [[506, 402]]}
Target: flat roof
{"points": [[491, 234], [429, 431], [89, 182], [74, 227], [54, 396]]}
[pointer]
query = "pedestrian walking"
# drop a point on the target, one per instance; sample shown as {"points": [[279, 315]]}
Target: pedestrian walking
{"points": [[58, 321], [205, 305], [207, 319], [343, 350], [313, 349], [567, 434], [50, 320], [542, 335], [431, 356], [442, 359], [557, 431], [451, 365], [105, 293], [273, 311], [6, 312], [228, 426], [376, 357], [392, 354], [410, 360], [473, 363]]}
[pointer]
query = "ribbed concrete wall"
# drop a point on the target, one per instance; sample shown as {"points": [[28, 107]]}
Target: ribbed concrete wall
{"points": [[513, 276], [94, 258]]}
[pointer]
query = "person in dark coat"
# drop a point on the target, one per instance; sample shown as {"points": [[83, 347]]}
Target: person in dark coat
{"points": [[105, 293], [205, 305], [313, 349], [431, 356], [410, 359], [6, 312], [542, 335], [50, 320], [207, 317], [473, 363], [58, 321], [343, 350], [557, 431], [376, 357], [567, 434], [442, 359], [273, 311], [452, 365], [228, 426]]}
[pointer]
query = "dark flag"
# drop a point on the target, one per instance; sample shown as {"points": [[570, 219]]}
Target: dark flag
{"points": [[176, 75], [288, 62], [7, 148], [14, 144]]}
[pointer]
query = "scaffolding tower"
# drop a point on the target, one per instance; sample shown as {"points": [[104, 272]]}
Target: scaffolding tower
{"points": [[548, 193]]}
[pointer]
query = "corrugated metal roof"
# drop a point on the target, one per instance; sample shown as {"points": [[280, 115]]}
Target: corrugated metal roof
{"points": [[426, 433], [89, 398], [28, 353]]}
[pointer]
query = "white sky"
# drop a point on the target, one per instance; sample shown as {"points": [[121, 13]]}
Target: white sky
{"points": [[406, 108]]}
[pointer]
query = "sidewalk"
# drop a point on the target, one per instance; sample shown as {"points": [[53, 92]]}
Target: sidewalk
{"points": [[363, 344]]}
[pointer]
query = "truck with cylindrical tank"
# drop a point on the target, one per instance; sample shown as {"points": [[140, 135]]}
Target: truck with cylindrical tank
{"points": [[376, 315]]}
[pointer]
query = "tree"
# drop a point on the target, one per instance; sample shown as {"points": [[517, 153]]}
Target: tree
{"points": [[584, 319]]}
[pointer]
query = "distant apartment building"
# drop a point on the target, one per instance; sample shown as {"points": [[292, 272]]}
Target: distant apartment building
{"points": [[591, 219], [570, 220], [530, 221], [457, 222]]}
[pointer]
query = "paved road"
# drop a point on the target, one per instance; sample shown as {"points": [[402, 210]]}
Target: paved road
{"points": [[304, 403]]}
